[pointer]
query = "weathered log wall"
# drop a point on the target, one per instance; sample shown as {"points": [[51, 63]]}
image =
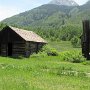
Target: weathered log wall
{"points": [[18, 49], [32, 47]]}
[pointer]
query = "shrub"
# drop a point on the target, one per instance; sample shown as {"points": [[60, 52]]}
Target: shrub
{"points": [[86, 63], [40, 54], [46, 51], [72, 56], [75, 41], [50, 51]]}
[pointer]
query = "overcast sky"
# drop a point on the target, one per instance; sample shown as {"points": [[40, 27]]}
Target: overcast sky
{"points": [[9, 8]]}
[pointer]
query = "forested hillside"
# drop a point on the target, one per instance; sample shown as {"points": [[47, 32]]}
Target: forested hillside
{"points": [[54, 22]]}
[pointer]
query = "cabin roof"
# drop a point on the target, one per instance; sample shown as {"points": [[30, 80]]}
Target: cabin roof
{"points": [[28, 35]]}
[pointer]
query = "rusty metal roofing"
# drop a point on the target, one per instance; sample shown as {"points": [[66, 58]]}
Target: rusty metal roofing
{"points": [[28, 35]]}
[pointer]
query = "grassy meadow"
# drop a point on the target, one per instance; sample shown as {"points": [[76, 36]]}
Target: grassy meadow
{"points": [[63, 46], [44, 72]]}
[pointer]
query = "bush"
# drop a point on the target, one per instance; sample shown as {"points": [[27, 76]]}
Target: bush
{"points": [[40, 54], [50, 51], [46, 51], [75, 41], [86, 63], [72, 56]]}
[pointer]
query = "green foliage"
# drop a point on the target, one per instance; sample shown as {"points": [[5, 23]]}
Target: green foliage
{"points": [[86, 63], [2, 26], [37, 15], [39, 54], [47, 50], [50, 51], [45, 73], [72, 56], [61, 46], [68, 71], [64, 33], [69, 31], [42, 72], [75, 41], [53, 49]]}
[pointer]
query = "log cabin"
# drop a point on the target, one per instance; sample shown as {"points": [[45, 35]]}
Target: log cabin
{"points": [[15, 42]]}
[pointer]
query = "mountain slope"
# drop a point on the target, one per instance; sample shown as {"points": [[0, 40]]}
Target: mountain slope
{"points": [[39, 15], [82, 13], [51, 15], [64, 2]]}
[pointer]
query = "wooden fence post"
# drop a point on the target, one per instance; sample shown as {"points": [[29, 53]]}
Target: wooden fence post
{"points": [[86, 39]]}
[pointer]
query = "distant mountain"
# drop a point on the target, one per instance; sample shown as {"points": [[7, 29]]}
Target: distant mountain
{"points": [[86, 5], [51, 16], [53, 21], [64, 2], [88, 2], [45, 15]]}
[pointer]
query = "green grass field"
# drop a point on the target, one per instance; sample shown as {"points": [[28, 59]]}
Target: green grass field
{"points": [[43, 73], [63, 46]]}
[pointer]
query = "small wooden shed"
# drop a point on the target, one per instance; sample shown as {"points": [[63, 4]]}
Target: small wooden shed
{"points": [[18, 42]]}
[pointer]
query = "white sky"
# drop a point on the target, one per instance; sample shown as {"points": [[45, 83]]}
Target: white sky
{"points": [[80, 2], [9, 8]]}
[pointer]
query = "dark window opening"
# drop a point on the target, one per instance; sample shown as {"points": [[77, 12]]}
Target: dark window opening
{"points": [[9, 49]]}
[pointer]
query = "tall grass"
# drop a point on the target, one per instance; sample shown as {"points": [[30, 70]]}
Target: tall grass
{"points": [[47, 73]]}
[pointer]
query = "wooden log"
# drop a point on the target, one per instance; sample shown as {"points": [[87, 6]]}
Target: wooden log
{"points": [[86, 39]]}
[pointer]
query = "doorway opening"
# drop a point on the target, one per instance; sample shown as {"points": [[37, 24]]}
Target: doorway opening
{"points": [[9, 49]]}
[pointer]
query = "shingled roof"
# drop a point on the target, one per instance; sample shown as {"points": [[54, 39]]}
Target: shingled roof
{"points": [[28, 35]]}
